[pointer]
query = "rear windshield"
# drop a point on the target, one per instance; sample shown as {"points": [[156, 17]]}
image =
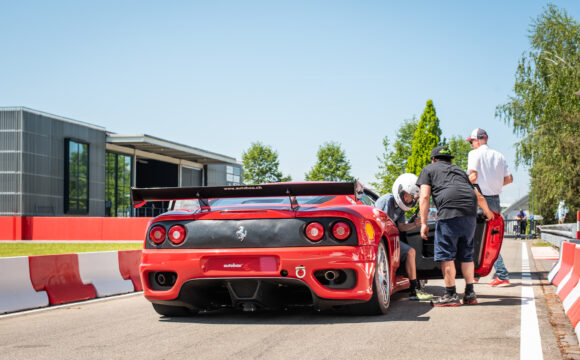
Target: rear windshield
{"points": [[278, 202]]}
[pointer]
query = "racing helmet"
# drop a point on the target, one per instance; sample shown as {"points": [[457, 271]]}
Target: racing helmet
{"points": [[406, 184]]}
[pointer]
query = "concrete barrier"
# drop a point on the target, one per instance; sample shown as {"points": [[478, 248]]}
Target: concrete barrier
{"points": [[101, 269], [16, 291], [571, 280], [59, 276], [566, 260], [556, 268], [129, 261]]}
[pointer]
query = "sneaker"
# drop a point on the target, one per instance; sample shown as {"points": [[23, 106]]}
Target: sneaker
{"points": [[420, 295], [470, 299], [446, 300], [497, 282]]}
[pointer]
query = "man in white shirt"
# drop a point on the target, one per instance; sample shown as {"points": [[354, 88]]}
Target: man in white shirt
{"points": [[488, 168]]}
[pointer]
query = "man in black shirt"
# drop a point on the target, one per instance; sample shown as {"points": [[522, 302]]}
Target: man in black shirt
{"points": [[456, 201]]}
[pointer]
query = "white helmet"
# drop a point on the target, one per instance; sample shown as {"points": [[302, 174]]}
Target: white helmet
{"points": [[406, 183]]}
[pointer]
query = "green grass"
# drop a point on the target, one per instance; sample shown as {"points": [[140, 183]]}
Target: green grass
{"points": [[50, 248], [541, 243]]}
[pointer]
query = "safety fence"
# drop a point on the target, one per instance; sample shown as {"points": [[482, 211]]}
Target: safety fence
{"points": [[528, 229], [28, 282]]}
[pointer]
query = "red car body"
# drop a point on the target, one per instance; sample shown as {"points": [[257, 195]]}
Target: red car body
{"points": [[261, 249]]}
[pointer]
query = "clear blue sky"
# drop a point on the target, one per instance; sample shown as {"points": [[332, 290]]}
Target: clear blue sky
{"points": [[220, 75]]}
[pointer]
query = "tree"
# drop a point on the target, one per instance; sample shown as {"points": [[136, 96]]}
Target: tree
{"points": [[393, 162], [544, 112], [261, 165], [332, 164], [460, 149], [425, 138]]}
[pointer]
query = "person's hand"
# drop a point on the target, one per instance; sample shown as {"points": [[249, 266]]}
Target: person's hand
{"points": [[489, 215], [424, 231]]}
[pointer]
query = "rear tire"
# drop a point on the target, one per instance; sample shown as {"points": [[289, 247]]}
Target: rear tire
{"points": [[173, 311], [381, 299]]}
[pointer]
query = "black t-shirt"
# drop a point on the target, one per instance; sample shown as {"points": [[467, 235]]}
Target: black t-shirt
{"points": [[451, 189]]}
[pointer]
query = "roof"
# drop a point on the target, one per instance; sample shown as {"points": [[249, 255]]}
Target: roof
{"points": [[52, 116], [156, 145]]}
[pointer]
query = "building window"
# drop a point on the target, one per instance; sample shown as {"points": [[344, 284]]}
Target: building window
{"points": [[118, 184], [233, 175], [76, 179]]}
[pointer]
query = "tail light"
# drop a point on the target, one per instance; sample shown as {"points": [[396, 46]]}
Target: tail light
{"points": [[340, 230], [177, 234], [157, 234], [314, 231]]}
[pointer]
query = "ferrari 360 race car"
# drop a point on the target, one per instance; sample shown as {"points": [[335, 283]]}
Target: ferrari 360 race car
{"points": [[318, 244]]}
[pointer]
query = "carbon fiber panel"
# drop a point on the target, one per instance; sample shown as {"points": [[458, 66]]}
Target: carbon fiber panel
{"points": [[252, 233]]}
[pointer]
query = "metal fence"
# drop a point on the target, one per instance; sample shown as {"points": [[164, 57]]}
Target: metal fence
{"points": [[527, 230]]}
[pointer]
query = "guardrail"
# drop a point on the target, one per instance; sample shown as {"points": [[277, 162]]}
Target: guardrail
{"points": [[557, 234]]}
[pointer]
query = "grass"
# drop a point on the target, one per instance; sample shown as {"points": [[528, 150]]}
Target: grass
{"points": [[52, 248], [540, 242]]}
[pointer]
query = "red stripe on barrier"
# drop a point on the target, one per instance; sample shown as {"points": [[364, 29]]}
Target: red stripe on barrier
{"points": [[59, 276], [568, 251], [129, 261], [575, 275], [574, 313]]}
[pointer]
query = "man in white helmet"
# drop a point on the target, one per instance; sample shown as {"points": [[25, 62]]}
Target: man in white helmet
{"points": [[404, 198]]}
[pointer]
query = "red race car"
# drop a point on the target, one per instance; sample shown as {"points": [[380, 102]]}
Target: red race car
{"points": [[319, 244]]}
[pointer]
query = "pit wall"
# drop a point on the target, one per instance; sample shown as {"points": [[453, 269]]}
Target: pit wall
{"points": [[29, 282], [72, 228]]}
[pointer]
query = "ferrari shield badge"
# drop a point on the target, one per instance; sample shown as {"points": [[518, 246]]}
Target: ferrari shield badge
{"points": [[241, 233]]}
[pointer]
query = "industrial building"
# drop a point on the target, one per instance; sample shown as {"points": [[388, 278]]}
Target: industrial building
{"points": [[54, 166]]}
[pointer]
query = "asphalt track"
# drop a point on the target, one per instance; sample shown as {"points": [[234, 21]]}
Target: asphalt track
{"points": [[127, 327]]}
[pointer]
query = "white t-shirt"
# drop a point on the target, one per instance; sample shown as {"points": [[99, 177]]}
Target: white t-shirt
{"points": [[491, 168]]}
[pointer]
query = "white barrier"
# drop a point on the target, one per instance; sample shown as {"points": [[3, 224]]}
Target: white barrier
{"points": [[102, 270], [556, 267], [16, 290]]}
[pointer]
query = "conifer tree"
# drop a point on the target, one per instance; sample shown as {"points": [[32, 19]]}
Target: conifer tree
{"points": [[426, 137]]}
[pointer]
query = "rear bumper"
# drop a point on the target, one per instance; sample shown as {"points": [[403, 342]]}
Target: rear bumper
{"points": [[268, 265]]}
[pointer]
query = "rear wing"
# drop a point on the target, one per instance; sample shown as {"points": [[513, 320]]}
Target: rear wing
{"points": [[141, 196]]}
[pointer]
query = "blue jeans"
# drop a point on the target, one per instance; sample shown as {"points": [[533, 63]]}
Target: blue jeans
{"points": [[500, 270]]}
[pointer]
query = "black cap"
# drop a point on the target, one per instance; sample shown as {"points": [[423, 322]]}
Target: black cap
{"points": [[441, 152]]}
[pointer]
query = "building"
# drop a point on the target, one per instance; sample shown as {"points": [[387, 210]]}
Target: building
{"points": [[55, 166]]}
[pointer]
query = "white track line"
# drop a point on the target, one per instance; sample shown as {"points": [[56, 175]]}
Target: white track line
{"points": [[530, 341]]}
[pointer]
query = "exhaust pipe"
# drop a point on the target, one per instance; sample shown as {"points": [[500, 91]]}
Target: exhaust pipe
{"points": [[331, 275], [161, 280]]}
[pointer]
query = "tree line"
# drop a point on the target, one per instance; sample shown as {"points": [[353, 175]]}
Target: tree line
{"points": [[410, 152], [544, 111]]}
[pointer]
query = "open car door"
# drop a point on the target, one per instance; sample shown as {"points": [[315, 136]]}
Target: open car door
{"points": [[486, 243]]}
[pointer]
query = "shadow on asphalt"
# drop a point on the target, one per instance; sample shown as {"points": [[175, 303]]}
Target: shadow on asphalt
{"points": [[401, 309]]}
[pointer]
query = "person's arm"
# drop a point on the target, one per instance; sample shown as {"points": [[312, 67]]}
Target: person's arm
{"points": [[424, 209], [472, 176], [508, 179], [483, 205], [408, 226]]}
